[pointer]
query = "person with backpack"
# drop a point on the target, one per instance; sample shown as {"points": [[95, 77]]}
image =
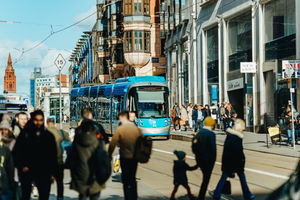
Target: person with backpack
{"points": [[180, 178], [59, 136], [126, 136], [233, 160], [204, 148], [35, 156], [89, 162]]}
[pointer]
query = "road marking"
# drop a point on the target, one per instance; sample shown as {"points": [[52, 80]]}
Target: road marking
{"points": [[246, 169]]}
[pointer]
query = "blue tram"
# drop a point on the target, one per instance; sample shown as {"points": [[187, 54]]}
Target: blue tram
{"points": [[146, 96]]}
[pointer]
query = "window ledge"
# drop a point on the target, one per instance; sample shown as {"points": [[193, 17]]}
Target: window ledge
{"points": [[206, 3]]}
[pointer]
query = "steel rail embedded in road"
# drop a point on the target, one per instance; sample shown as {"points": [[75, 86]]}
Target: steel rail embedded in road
{"points": [[246, 169]]}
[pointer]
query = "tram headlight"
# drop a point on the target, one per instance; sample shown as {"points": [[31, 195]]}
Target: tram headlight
{"points": [[141, 124]]}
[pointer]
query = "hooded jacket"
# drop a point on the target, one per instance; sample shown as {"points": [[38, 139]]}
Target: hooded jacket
{"points": [[36, 151], [233, 159], [84, 145]]}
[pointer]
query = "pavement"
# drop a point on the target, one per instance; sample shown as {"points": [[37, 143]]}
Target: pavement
{"points": [[252, 141]]}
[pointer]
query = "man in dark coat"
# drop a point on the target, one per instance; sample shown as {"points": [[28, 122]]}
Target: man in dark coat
{"points": [[35, 157], [233, 160], [204, 147]]}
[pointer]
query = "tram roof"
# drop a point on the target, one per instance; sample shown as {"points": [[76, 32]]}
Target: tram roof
{"points": [[118, 88], [138, 79]]}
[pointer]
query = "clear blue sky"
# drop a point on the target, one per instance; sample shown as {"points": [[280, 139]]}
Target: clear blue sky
{"points": [[36, 18]]}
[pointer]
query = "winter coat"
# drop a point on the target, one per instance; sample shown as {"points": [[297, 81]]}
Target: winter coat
{"points": [[37, 151], [207, 157], [288, 121], [179, 170], [58, 139], [84, 145], [195, 115], [233, 159], [207, 112], [125, 136], [177, 111], [7, 165], [184, 115], [190, 112]]}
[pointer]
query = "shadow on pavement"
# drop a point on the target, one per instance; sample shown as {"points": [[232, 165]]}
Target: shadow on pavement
{"points": [[116, 197]]}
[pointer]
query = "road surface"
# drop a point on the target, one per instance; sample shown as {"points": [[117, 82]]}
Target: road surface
{"points": [[264, 172]]}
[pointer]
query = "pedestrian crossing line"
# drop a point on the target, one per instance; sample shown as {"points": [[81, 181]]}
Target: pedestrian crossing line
{"points": [[246, 169]]}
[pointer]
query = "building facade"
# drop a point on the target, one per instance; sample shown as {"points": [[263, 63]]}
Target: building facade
{"points": [[126, 40], [205, 56], [9, 77]]}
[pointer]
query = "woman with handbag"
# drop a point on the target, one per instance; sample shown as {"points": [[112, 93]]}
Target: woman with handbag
{"points": [[184, 118], [233, 160]]}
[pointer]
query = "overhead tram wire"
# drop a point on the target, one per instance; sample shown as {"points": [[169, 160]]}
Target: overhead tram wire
{"points": [[51, 34]]}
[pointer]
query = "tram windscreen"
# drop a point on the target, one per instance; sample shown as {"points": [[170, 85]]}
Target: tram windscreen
{"points": [[152, 102]]}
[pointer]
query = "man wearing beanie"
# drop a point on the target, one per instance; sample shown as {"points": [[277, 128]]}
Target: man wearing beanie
{"points": [[180, 177], [204, 148]]}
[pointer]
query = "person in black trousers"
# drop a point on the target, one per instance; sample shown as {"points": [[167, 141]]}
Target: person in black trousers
{"points": [[205, 153], [180, 178], [35, 157]]}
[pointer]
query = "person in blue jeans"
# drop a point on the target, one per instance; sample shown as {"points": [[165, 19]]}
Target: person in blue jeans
{"points": [[233, 160], [289, 127]]}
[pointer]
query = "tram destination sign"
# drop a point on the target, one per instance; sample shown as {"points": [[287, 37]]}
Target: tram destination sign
{"points": [[291, 69]]}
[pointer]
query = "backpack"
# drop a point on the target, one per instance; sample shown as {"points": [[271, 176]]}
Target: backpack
{"points": [[143, 149], [102, 164], [65, 147], [198, 144], [222, 111]]}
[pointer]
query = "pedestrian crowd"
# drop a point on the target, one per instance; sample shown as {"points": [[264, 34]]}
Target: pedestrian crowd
{"points": [[192, 117], [35, 153]]}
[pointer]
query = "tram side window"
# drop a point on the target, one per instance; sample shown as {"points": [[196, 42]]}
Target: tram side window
{"points": [[117, 106]]}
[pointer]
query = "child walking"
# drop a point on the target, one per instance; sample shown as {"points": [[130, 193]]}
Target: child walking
{"points": [[180, 177]]}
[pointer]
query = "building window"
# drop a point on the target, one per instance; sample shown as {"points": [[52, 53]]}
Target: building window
{"points": [[280, 29], [147, 41], [137, 6], [138, 40], [114, 22], [128, 41], [128, 7], [212, 64], [146, 7], [240, 37]]}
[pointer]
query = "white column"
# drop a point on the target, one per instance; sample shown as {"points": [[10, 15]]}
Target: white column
{"points": [[220, 61], [179, 73], [225, 58], [204, 69], [254, 59], [298, 47], [189, 68], [194, 14], [262, 85]]}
